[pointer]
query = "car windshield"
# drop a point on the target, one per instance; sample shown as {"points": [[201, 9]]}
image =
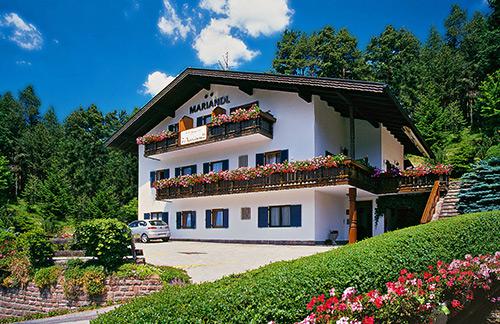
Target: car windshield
{"points": [[157, 223]]}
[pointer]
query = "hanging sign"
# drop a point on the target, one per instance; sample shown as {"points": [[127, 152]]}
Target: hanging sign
{"points": [[194, 135]]}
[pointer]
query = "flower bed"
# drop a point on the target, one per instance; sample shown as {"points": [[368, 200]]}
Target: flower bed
{"points": [[414, 297], [252, 173]]}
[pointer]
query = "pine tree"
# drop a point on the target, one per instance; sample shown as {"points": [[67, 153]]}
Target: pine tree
{"points": [[481, 187]]}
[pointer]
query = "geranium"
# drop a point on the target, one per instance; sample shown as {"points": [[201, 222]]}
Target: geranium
{"points": [[237, 116], [413, 297], [243, 174], [154, 138], [416, 171]]}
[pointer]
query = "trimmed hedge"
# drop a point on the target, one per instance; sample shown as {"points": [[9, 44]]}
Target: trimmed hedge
{"points": [[280, 290]]}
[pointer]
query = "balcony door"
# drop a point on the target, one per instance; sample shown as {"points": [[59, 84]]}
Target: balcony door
{"points": [[365, 219]]}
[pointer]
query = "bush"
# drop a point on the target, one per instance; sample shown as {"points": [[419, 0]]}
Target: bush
{"points": [[7, 251], [37, 247], [280, 290], [93, 281], [80, 277], [106, 239], [46, 277]]}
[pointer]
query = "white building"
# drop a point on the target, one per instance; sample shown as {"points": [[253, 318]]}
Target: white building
{"points": [[304, 118]]}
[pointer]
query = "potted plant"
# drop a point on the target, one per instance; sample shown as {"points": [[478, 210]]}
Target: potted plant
{"points": [[333, 236]]}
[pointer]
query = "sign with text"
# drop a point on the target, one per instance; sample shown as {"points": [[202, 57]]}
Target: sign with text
{"points": [[194, 135]]}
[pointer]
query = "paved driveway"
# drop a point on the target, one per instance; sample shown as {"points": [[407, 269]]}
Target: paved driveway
{"points": [[211, 261]]}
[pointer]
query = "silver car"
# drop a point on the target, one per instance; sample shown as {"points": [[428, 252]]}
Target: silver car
{"points": [[146, 230]]}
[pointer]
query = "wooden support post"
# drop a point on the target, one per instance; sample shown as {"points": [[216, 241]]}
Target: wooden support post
{"points": [[353, 216]]}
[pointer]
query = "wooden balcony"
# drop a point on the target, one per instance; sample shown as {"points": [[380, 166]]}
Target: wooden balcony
{"points": [[351, 173], [262, 125]]}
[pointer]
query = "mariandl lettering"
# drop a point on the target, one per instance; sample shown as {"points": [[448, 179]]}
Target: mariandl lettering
{"points": [[209, 104]]}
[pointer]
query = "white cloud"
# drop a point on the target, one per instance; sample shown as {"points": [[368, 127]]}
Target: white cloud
{"points": [[230, 22], [24, 34], [171, 25], [156, 82], [215, 40]]}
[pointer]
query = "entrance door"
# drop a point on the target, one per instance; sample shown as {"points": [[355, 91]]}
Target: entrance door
{"points": [[365, 219]]}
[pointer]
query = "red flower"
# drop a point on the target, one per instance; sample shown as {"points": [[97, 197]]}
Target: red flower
{"points": [[368, 320], [456, 304]]}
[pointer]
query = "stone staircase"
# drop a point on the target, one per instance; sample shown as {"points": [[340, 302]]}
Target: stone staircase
{"points": [[447, 205]]}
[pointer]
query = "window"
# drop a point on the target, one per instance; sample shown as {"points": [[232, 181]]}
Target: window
{"points": [[160, 216], [174, 128], [203, 120], [217, 218], [280, 216], [216, 166], [243, 161], [271, 157], [158, 175], [246, 213], [185, 170], [186, 219]]}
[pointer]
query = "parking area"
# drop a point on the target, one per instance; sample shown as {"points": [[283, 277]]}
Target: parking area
{"points": [[211, 261]]}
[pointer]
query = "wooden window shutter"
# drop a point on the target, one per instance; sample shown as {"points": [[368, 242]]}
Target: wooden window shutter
{"points": [[178, 220], [167, 173], [147, 215], [152, 177], [259, 159], [199, 121], [284, 156], [206, 167], [296, 215], [263, 217], [225, 165], [193, 169], [164, 217], [208, 218], [177, 172], [225, 218], [243, 161], [193, 221]]}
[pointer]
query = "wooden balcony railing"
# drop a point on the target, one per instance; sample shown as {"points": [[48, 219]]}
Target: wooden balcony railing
{"points": [[261, 125], [351, 173]]}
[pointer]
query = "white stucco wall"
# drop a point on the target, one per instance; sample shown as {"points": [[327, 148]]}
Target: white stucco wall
{"points": [[368, 142], [392, 150], [330, 131], [330, 215]]}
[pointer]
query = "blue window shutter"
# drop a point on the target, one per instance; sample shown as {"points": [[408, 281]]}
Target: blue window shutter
{"points": [[194, 220], [147, 215], [259, 159], [152, 177], [208, 218], [296, 215], [263, 217], [167, 173], [199, 121], [164, 217], [225, 165], [178, 220], [206, 167], [225, 218], [177, 172], [193, 169], [284, 156]]}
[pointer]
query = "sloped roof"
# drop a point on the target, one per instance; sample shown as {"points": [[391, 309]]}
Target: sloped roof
{"points": [[372, 101]]}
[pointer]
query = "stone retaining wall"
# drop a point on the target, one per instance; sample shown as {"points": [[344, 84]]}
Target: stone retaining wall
{"points": [[30, 300]]}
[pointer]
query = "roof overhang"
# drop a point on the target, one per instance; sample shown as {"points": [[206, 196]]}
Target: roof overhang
{"points": [[372, 101]]}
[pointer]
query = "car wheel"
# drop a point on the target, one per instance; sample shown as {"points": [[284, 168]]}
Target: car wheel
{"points": [[144, 238], [165, 239]]}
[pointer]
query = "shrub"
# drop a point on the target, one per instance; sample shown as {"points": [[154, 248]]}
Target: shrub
{"points": [[143, 271], [79, 277], [37, 247], [106, 239], [46, 277], [7, 251], [280, 290], [20, 271]]}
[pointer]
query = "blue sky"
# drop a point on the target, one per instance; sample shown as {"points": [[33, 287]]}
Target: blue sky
{"points": [[117, 54]]}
